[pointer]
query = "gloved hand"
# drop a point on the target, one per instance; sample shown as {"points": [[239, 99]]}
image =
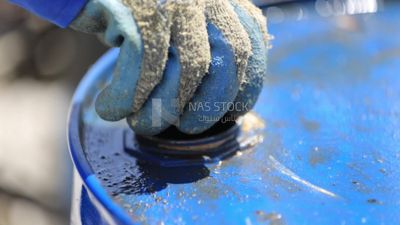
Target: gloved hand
{"points": [[209, 52]]}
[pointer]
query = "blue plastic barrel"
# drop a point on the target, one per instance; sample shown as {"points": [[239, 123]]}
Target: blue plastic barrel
{"points": [[322, 145]]}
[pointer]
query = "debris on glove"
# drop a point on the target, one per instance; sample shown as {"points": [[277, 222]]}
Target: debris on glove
{"points": [[179, 52], [185, 23]]}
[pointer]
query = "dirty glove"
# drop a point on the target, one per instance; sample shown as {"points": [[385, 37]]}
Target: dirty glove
{"points": [[183, 63]]}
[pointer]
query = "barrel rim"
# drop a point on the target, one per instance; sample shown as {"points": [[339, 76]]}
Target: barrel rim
{"points": [[74, 141]]}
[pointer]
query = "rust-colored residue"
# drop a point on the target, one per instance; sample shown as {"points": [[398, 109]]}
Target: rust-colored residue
{"points": [[310, 125], [202, 147], [251, 121], [272, 218]]}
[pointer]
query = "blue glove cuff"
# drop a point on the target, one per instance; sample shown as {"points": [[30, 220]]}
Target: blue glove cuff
{"points": [[59, 12]]}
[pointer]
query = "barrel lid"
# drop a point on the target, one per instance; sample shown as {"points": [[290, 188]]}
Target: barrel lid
{"points": [[321, 145]]}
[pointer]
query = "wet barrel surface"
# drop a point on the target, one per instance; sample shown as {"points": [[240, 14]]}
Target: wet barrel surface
{"points": [[322, 145]]}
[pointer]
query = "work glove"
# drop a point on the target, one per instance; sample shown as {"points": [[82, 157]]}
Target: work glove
{"points": [[186, 63]]}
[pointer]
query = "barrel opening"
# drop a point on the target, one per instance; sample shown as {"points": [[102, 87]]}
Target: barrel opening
{"points": [[174, 148]]}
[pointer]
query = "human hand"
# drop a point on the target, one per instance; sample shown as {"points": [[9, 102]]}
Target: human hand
{"points": [[176, 56]]}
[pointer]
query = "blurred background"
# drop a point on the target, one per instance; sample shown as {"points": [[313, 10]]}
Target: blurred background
{"points": [[40, 66]]}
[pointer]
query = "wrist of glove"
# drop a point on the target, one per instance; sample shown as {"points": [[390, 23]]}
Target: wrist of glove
{"points": [[183, 63]]}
